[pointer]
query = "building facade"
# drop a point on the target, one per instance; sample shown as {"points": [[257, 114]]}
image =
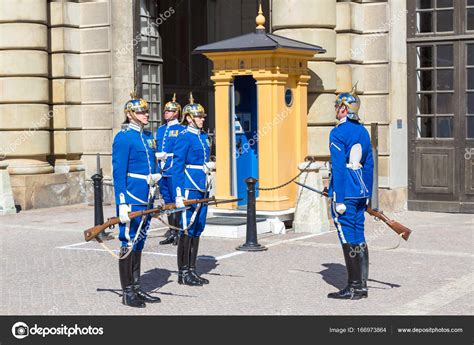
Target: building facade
{"points": [[67, 67]]}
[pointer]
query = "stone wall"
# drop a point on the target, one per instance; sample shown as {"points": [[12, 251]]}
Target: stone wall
{"points": [[25, 139], [56, 93], [81, 84], [66, 69]]}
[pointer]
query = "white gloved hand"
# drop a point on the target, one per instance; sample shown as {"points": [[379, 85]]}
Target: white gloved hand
{"points": [[160, 156], [340, 208], [154, 178], [179, 202], [367, 202], [159, 203], [209, 166], [123, 213]]}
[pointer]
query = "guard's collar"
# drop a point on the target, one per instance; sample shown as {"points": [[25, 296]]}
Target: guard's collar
{"points": [[172, 122], [341, 121], [135, 127], [193, 130]]}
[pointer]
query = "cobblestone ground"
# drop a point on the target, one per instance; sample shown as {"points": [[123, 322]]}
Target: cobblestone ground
{"points": [[47, 269]]}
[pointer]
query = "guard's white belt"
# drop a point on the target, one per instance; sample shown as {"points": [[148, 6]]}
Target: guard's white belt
{"points": [[140, 176], [354, 166], [197, 167], [169, 154]]}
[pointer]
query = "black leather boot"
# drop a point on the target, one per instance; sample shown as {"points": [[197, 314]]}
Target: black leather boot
{"points": [[175, 218], [364, 257], [172, 234], [193, 258], [184, 276], [353, 290], [129, 297], [136, 264], [182, 264]]}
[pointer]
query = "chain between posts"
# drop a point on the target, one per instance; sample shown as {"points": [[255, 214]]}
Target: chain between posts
{"points": [[310, 160]]}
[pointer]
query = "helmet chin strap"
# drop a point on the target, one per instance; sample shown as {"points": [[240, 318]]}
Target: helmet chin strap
{"points": [[135, 119], [194, 122]]}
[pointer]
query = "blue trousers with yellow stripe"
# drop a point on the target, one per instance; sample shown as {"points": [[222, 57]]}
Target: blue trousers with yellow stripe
{"points": [[350, 224]]}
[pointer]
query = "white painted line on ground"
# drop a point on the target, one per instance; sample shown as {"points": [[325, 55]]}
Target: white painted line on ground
{"points": [[438, 298], [397, 250], [115, 251], [81, 243], [297, 239], [72, 245], [60, 227], [225, 256], [221, 257]]}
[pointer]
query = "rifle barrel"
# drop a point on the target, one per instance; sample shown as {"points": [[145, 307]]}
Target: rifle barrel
{"points": [[91, 233]]}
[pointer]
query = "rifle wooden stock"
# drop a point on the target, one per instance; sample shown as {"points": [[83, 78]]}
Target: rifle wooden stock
{"points": [[394, 225], [91, 233]]}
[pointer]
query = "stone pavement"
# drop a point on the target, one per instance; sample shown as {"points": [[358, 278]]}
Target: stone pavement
{"points": [[47, 269]]}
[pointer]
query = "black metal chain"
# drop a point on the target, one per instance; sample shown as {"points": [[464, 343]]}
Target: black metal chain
{"points": [[287, 183]]}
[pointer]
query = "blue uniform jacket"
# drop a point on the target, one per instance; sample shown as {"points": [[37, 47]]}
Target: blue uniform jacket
{"points": [[191, 151], [133, 159], [166, 136], [350, 181]]}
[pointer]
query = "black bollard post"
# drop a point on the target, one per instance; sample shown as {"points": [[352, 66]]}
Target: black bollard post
{"points": [[251, 243], [97, 178]]}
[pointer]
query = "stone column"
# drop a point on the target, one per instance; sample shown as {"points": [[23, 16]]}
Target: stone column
{"points": [[96, 85], [376, 58], [362, 56], [24, 92], [222, 85], [396, 198], [313, 22], [82, 97], [66, 85], [301, 118], [7, 205], [273, 169], [123, 44]]}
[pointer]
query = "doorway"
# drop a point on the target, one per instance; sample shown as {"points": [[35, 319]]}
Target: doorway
{"points": [[244, 135]]}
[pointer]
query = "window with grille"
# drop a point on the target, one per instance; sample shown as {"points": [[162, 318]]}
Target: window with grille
{"points": [[149, 62], [434, 16], [435, 91], [469, 90]]}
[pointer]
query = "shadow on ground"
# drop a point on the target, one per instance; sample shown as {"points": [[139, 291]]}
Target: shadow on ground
{"points": [[336, 275]]}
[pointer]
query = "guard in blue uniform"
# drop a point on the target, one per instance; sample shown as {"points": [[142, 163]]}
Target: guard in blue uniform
{"points": [[166, 136], [136, 177], [191, 181], [350, 189]]}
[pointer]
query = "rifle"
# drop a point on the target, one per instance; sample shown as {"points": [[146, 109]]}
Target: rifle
{"points": [[91, 233], [399, 228]]}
